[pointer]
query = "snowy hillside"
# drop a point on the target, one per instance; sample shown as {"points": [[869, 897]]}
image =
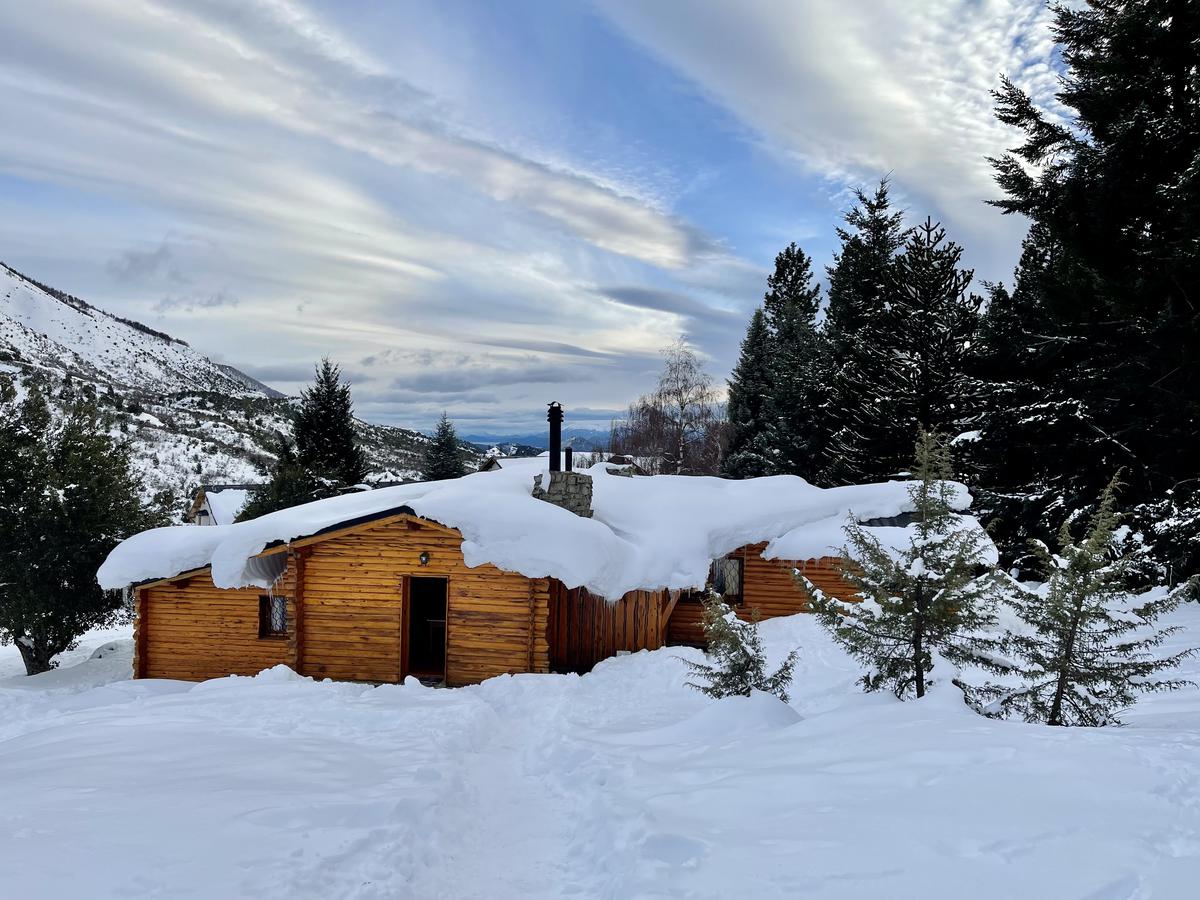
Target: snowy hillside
{"points": [[44, 328], [619, 784], [190, 420]]}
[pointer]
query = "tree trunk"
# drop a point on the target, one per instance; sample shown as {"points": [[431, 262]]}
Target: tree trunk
{"points": [[1060, 689], [919, 642], [36, 659]]}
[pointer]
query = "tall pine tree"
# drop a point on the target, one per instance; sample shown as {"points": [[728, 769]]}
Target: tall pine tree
{"points": [[1116, 192], [1039, 449], [854, 328], [326, 440], [749, 407], [325, 458], [443, 456], [776, 391], [912, 361], [795, 364]]}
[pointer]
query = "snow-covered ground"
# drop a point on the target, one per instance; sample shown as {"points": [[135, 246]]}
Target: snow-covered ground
{"points": [[623, 783]]}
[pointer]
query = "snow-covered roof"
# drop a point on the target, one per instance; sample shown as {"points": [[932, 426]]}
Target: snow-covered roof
{"points": [[646, 533], [225, 504]]}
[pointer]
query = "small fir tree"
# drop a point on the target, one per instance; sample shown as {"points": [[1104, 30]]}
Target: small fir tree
{"points": [[443, 457], [1089, 647], [68, 495], [934, 595], [738, 659]]}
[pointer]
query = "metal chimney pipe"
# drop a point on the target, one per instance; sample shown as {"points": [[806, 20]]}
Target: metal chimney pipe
{"points": [[555, 417], [569, 453]]}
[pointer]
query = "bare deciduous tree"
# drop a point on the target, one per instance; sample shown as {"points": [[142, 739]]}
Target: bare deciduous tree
{"points": [[677, 429]]}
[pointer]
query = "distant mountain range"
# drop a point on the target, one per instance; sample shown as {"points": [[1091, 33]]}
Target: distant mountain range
{"points": [[191, 421], [578, 438]]}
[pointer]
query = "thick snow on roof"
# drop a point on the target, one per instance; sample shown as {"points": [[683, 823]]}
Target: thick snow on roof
{"points": [[225, 504], [647, 532]]}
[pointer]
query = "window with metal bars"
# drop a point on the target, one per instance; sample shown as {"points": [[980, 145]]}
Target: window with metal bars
{"points": [[272, 616], [724, 577]]}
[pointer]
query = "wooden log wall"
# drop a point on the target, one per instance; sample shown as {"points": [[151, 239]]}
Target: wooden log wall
{"points": [[585, 629], [768, 585], [191, 630], [351, 607]]}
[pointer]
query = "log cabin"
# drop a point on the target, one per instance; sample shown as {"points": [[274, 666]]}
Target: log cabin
{"points": [[497, 572]]}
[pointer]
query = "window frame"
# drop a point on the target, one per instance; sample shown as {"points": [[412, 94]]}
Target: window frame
{"points": [[266, 617]]}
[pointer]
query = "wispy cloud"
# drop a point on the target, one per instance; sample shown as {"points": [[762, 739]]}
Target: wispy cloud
{"points": [[853, 91]]}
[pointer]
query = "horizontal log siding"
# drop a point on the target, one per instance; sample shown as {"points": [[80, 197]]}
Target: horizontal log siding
{"points": [[768, 586], [585, 629], [495, 620], [191, 630]]}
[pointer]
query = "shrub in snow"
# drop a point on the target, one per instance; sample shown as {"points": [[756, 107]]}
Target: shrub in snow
{"points": [[736, 662], [1087, 649], [932, 593]]}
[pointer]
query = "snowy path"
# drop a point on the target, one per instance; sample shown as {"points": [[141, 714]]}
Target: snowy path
{"points": [[620, 784]]}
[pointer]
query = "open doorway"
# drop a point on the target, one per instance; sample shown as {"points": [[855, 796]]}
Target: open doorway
{"points": [[425, 635]]}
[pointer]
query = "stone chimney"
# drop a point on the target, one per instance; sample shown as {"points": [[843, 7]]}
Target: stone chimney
{"points": [[570, 490]]}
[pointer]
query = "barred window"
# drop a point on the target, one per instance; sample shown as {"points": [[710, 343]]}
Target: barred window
{"points": [[724, 577], [272, 616]]}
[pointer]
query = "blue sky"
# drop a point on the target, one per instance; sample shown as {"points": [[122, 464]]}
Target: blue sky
{"points": [[480, 207]]}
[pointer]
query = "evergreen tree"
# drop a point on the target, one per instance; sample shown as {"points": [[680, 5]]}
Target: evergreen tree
{"points": [[912, 365], [794, 365], [749, 408], [326, 440], [855, 328], [776, 391], [1116, 192], [739, 660], [1039, 450], [443, 456], [68, 495], [325, 460], [920, 599], [1088, 648]]}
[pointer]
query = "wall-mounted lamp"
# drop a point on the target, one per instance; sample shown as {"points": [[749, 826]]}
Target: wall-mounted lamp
{"points": [[424, 557]]}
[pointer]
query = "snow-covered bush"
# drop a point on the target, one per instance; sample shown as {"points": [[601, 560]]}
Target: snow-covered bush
{"points": [[1086, 646], [736, 662]]}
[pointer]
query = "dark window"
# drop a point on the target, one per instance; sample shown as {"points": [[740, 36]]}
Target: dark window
{"points": [[724, 577], [272, 616]]}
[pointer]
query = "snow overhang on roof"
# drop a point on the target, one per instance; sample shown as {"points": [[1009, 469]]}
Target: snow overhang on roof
{"points": [[646, 533]]}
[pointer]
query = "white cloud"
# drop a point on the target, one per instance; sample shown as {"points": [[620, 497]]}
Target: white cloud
{"points": [[854, 90], [338, 203]]}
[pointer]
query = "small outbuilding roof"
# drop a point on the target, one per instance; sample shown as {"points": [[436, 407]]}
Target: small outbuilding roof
{"points": [[645, 533]]}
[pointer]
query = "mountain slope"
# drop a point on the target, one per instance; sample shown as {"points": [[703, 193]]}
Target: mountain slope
{"points": [[42, 327], [190, 420]]}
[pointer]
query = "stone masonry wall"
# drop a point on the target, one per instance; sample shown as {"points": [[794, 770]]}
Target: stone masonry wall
{"points": [[570, 490]]}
